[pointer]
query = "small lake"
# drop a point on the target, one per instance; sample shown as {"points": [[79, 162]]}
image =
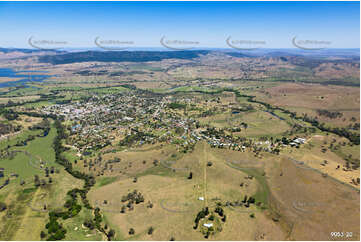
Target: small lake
{"points": [[274, 115], [25, 77]]}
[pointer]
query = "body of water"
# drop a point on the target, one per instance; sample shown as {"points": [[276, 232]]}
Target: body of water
{"points": [[25, 77]]}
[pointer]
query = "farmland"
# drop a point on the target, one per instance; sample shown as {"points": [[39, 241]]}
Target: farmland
{"points": [[180, 146]]}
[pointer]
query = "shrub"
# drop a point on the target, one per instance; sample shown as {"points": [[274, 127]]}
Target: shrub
{"points": [[2, 206], [42, 234]]}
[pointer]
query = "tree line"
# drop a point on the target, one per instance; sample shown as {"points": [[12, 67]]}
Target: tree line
{"points": [[55, 230]]}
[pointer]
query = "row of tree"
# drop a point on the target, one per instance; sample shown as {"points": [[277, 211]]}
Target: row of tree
{"points": [[55, 230]]}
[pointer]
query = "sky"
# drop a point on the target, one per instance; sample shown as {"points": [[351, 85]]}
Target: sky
{"points": [[200, 24]]}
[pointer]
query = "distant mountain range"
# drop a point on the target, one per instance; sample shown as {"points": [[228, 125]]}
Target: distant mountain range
{"points": [[77, 55], [120, 56], [27, 51]]}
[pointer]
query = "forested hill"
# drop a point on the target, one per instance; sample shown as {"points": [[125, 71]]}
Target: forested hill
{"points": [[120, 56]]}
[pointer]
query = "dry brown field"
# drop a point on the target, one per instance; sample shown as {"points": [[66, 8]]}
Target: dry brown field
{"points": [[307, 98]]}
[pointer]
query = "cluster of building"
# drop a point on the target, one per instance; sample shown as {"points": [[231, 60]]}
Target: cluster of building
{"points": [[136, 118]]}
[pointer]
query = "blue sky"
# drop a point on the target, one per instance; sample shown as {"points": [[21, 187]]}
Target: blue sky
{"points": [[209, 23]]}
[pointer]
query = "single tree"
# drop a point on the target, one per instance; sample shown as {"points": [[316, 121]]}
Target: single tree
{"points": [[111, 233], [190, 175], [42, 234], [150, 230]]}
